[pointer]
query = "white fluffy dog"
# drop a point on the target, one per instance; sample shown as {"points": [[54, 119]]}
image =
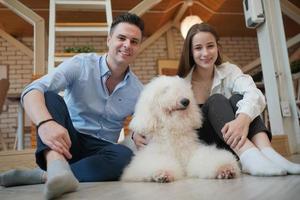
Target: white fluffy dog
{"points": [[167, 114]]}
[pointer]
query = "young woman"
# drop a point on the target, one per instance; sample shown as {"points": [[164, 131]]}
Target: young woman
{"points": [[231, 105]]}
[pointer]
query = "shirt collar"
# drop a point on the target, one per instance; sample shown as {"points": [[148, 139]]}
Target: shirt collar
{"points": [[128, 73], [218, 75], [104, 69]]}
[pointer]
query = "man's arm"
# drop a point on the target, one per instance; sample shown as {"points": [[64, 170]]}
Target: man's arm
{"points": [[139, 140], [35, 107], [51, 133]]}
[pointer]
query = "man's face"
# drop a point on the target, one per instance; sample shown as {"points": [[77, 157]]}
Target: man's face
{"points": [[123, 43]]}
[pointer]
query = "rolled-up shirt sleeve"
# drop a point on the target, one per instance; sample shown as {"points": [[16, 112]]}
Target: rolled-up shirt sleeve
{"points": [[253, 102], [58, 80]]}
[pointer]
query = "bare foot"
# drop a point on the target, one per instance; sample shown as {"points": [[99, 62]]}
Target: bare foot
{"points": [[226, 172], [162, 177]]}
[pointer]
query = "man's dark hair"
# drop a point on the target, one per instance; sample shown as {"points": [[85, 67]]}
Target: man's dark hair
{"points": [[128, 18]]}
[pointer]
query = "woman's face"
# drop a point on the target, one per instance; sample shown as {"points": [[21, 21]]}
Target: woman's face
{"points": [[204, 49]]}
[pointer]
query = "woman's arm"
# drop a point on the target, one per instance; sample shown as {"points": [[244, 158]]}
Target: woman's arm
{"points": [[249, 107], [253, 102]]}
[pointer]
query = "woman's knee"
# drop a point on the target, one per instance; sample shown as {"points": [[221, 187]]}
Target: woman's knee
{"points": [[214, 102], [217, 98], [235, 98]]}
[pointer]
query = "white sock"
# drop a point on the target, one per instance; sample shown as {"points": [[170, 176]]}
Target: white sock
{"points": [[17, 177], [254, 163], [271, 154], [60, 180]]}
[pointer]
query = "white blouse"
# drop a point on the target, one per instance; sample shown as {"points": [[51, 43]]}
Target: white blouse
{"points": [[229, 80]]}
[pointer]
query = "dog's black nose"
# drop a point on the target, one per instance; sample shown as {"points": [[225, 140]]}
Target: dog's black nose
{"points": [[185, 102]]}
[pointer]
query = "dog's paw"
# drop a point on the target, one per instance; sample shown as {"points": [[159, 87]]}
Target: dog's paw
{"points": [[162, 177], [226, 172]]}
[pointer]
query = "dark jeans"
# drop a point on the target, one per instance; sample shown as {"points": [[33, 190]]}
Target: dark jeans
{"points": [[93, 159], [217, 111]]}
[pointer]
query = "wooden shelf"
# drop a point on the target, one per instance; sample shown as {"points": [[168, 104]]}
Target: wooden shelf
{"points": [[81, 24], [79, 5], [60, 57], [81, 29], [67, 28]]}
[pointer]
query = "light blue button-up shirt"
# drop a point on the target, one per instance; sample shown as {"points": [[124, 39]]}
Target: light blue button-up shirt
{"points": [[92, 109]]}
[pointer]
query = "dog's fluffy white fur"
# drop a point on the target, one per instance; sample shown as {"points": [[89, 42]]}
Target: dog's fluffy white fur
{"points": [[167, 114]]}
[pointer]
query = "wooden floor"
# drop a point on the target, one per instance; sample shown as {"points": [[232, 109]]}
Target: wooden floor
{"points": [[246, 188], [17, 159]]}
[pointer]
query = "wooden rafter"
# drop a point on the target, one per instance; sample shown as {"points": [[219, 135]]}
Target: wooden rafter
{"points": [[180, 13], [290, 10], [39, 32], [144, 6], [19, 45], [255, 63], [170, 44], [156, 35]]}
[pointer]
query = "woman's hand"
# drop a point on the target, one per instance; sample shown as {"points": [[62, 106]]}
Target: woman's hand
{"points": [[56, 137], [140, 140], [235, 132]]}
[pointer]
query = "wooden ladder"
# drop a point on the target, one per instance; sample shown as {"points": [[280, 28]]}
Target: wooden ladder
{"points": [[78, 28]]}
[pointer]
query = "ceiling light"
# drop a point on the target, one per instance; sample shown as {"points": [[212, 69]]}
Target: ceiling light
{"points": [[188, 22]]}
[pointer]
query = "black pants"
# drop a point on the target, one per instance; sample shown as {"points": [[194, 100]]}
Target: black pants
{"points": [[217, 111], [93, 159]]}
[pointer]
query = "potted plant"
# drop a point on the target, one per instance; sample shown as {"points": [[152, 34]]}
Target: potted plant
{"points": [[79, 49]]}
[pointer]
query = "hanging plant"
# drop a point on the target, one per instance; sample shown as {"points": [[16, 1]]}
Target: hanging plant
{"points": [[79, 49]]}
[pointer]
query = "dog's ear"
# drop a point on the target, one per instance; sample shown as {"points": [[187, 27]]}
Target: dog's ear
{"points": [[143, 121]]}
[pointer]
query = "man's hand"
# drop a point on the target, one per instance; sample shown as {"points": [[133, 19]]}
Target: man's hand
{"points": [[56, 137], [235, 132], [140, 140]]}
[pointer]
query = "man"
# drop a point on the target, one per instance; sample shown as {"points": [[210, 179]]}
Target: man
{"points": [[77, 136]]}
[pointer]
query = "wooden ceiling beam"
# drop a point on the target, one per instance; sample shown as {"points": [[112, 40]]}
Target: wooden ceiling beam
{"points": [[19, 45], [180, 13], [255, 63], [170, 44], [155, 36], [290, 10], [164, 28], [144, 6], [39, 32]]}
